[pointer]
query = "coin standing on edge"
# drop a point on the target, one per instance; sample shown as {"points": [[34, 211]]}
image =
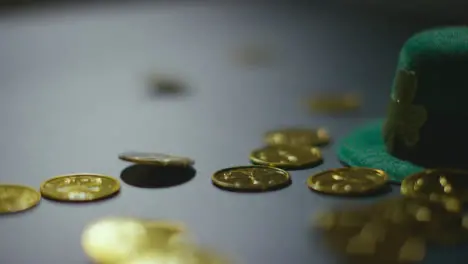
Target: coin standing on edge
{"points": [[348, 181], [438, 185], [251, 178], [298, 137], [80, 187], [17, 198], [156, 159], [286, 157]]}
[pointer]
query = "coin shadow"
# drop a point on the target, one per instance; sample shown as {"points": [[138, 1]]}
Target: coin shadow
{"points": [[151, 176], [273, 189], [20, 213], [82, 202]]}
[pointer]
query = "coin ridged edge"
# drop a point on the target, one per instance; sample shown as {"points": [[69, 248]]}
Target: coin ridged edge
{"points": [[310, 184], [188, 161], [51, 197], [230, 187], [261, 162], [36, 201]]}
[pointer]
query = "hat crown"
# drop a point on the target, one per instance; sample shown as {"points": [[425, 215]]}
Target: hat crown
{"points": [[425, 122], [439, 60]]}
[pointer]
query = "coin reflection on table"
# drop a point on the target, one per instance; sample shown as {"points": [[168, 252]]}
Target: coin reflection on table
{"points": [[285, 156], [298, 137], [347, 181], [80, 187], [251, 178], [17, 198]]}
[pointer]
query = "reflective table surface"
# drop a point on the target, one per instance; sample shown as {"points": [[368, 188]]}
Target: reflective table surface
{"points": [[74, 94]]}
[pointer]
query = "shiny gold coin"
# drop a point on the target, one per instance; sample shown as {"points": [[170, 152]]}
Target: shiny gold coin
{"points": [[251, 178], [16, 198], [155, 159], [298, 137], [438, 185], [348, 181], [114, 239], [335, 103], [81, 187], [285, 156]]}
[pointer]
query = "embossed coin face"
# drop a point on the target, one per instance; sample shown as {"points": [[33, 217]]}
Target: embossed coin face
{"points": [[251, 178], [438, 185], [347, 181], [16, 198], [113, 239], [298, 137], [156, 159], [284, 156], [80, 187]]}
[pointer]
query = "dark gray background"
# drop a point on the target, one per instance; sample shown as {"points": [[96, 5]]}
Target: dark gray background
{"points": [[73, 96]]}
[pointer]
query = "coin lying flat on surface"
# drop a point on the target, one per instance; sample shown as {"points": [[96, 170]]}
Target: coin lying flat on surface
{"points": [[298, 137], [81, 187], [116, 239], [439, 185], [155, 159], [284, 156], [335, 103], [347, 181], [17, 198], [251, 178]]}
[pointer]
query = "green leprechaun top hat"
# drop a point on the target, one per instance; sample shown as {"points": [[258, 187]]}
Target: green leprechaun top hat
{"points": [[427, 120]]}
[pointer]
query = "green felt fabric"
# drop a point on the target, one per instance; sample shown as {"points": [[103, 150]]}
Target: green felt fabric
{"points": [[439, 57], [364, 147]]}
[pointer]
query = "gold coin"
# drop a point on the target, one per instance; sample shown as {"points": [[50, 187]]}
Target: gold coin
{"points": [[286, 156], [16, 198], [335, 103], [177, 255], [438, 185], [251, 178], [347, 181], [156, 159], [298, 137], [81, 187], [114, 239]]}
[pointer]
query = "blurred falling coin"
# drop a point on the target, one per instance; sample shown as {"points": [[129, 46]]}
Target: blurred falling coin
{"points": [[335, 103], [251, 178], [348, 181], [17, 198], [286, 157], [298, 137], [114, 239], [166, 85], [438, 185], [80, 187], [155, 159]]}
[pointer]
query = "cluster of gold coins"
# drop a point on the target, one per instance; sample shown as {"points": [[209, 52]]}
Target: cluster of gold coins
{"points": [[120, 240]]}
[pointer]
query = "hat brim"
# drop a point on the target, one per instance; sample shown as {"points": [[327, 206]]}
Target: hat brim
{"points": [[364, 147]]}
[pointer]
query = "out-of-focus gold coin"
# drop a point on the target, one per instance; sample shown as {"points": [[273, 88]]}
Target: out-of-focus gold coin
{"points": [[115, 239], [298, 137], [285, 156], [16, 198], [348, 181], [438, 185], [334, 103], [80, 187], [166, 85], [178, 255], [251, 178], [155, 159]]}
